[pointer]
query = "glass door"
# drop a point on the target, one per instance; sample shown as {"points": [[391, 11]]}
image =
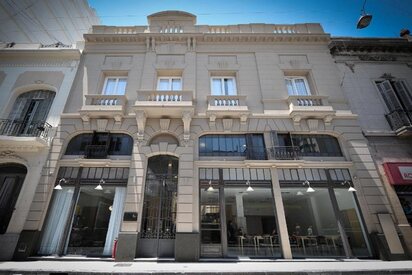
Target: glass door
{"points": [[210, 222]]}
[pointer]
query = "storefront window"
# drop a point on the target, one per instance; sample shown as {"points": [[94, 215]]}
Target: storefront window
{"points": [[250, 222], [352, 223], [311, 223], [210, 216]]}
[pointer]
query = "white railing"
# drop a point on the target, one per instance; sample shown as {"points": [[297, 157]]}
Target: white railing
{"points": [[105, 100], [308, 101], [165, 96], [228, 101]]}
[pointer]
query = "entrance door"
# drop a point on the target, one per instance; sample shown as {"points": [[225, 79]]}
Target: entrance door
{"points": [[157, 237]]}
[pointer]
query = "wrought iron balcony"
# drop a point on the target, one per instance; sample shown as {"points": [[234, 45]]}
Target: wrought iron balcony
{"points": [[283, 152], [96, 151], [18, 128], [400, 121]]}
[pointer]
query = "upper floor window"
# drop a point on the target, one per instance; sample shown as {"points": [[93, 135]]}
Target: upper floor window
{"points": [[115, 86], [250, 146], [169, 84], [223, 86], [297, 85], [99, 145], [395, 94], [309, 145]]}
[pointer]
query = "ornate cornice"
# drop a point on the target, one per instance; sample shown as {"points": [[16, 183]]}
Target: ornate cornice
{"points": [[370, 49]]}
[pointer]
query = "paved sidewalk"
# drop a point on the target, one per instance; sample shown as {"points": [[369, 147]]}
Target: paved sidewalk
{"points": [[264, 267]]}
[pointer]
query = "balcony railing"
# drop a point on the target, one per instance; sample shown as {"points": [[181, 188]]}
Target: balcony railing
{"points": [[227, 101], [9, 127], [308, 101], [283, 152], [105, 100], [96, 151], [399, 119], [165, 96]]}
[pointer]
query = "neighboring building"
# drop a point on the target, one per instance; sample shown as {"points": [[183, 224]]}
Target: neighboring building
{"points": [[376, 78], [45, 21], [188, 141], [36, 75]]}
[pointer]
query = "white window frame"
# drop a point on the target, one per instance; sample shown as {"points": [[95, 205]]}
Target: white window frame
{"points": [[293, 79], [117, 78], [222, 81], [170, 80]]}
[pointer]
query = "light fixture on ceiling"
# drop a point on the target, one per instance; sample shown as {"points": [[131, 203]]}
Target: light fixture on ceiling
{"points": [[210, 189], [58, 186], [350, 184], [99, 186], [310, 189], [249, 188], [365, 19], [299, 193]]}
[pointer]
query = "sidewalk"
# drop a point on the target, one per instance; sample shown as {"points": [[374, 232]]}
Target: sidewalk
{"points": [[308, 266]]}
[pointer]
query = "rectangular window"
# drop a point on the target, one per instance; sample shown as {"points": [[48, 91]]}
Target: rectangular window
{"points": [[169, 84], [297, 85], [115, 86], [223, 86], [308, 145], [396, 95]]}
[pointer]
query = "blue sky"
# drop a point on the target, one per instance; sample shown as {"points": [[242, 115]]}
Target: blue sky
{"points": [[338, 17]]}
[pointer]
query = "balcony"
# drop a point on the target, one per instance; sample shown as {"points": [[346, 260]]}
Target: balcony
{"points": [[302, 107], [104, 106], [283, 152], [158, 104], [96, 151], [230, 106], [23, 136], [400, 122]]}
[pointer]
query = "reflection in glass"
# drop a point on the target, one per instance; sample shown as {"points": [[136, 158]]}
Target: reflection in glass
{"points": [[90, 221], [351, 221], [251, 222], [311, 222], [210, 216]]}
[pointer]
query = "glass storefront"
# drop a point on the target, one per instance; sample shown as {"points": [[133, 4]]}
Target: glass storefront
{"points": [[83, 219], [238, 216]]}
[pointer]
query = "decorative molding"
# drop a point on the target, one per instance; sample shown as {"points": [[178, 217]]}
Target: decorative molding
{"points": [[101, 124], [141, 124], [313, 124], [11, 155], [164, 124], [187, 118], [328, 120], [243, 118], [212, 120], [296, 120], [377, 57], [227, 124], [387, 76]]}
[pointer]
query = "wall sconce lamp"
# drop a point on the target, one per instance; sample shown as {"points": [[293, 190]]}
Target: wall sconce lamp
{"points": [[210, 189], [350, 184], [249, 188], [58, 186], [310, 189], [99, 186]]}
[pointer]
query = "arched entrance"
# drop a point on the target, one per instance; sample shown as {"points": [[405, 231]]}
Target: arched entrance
{"points": [[11, 179], [157, 235]]}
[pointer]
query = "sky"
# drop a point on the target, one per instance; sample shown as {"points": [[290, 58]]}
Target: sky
{"points": [[338, 17]]}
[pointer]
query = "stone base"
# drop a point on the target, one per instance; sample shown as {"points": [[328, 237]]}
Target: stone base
{"points": [[382, 251], [26, 245], [8, 243], [187, 247], [126, 247]]}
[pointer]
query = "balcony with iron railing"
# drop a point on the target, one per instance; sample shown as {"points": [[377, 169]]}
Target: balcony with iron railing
{"points": [[400, 121], [107, 106], [20, 135], [96, 151], [164, 103], [283, 152]]}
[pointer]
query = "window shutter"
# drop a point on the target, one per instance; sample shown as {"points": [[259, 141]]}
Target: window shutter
{"points": [[403, 94], [389, 96]]}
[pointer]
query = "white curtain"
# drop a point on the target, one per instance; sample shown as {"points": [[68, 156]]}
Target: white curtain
{"points": [[163, 85], [230, 86], [301, 87], [110, 86], [289, 86], [216, 86], [176, 84], [56, 223], [115, 219], [121, 86]]}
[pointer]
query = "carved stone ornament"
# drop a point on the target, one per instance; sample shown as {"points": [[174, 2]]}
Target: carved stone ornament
{"points": [[227, 124], [328, 120], [313, 124], [164, 124], [101, 124], [141, 123], [187, 118], [10, 154], [377, 57], [212, 120]]}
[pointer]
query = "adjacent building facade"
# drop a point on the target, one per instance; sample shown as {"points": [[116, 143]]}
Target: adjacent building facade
{"points": [[376, 75], [192, 141], [36, 74]]}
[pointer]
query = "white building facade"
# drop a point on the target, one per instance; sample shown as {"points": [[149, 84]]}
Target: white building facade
{"points": [[193, 141]]}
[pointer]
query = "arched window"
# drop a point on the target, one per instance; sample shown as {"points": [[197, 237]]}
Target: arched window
{"points": [[11, 180], [99, 145], [29, 113]]}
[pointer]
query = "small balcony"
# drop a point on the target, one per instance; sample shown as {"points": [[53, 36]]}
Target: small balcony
{"points": [[284, 152], [230, 106], [301, 107], [400, 122], [158, 104], [24, 136], [104, 106]]}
